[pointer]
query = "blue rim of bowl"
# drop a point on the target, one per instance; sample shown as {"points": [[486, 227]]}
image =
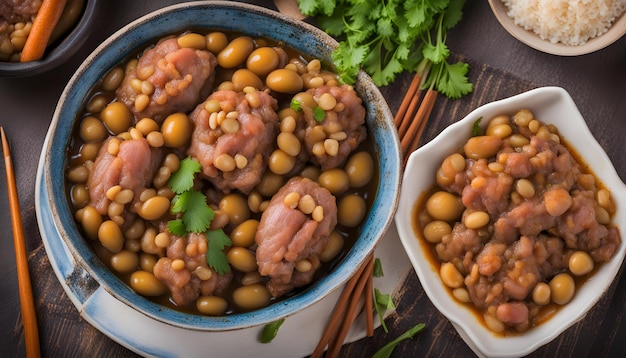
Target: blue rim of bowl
{"points": [[308, 40], [61, 52]]}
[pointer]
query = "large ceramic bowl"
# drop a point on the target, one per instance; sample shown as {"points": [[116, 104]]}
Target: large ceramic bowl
{"points": [[551, 105], [614, 33], [61, 50], [253, 21]]}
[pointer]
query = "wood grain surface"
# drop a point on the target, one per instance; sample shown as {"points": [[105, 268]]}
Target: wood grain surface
{"points": [[500, 66]]}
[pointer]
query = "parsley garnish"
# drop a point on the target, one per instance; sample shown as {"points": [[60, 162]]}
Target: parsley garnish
{"points": [[182, 179], [386, 38], [215, 256], [196, 215], [319, 114], [270, 330], [295, 105], [378, 268], [382, 302], [388, 348], [476, 127]]}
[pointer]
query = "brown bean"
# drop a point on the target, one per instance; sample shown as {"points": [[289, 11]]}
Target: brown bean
{"points": [[192, 40], [92, 129], [482, 147], [117, 117], [176, 130], [216, 42], [351, 210], [251, 297], [444, 206], [262, 61], [360, 169], [211, 305], [284, 81], [335, 180], [110, 236], [236, 52], [244, 233], [243, 78], [146, 284]]}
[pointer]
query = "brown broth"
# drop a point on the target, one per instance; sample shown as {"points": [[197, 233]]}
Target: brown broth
{"points": [[350, 235], [540, 314]]}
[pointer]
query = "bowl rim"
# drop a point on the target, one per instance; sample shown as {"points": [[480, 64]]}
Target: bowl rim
{"points": [[62, 51], [379, 120], [478, 337], [528, 37]]}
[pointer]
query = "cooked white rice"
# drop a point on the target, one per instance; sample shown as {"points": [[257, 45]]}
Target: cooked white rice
{"points": [[571, 22]]}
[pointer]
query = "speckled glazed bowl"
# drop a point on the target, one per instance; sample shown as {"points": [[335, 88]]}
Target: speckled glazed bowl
{"points": [[551, 105], [89, 273], [59, 51]]}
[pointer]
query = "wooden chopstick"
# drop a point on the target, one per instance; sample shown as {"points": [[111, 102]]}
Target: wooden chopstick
{"points": [[410, 125], [369, 302], [335, 345], [411, 138], [337, 318], [410, 100], [29, 317]]}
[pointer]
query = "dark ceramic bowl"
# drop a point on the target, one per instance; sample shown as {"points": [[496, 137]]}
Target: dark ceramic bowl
{"points": [[60, 51]]}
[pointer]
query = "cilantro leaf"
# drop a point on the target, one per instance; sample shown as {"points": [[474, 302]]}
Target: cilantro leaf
{"points": [[177, 227], [313, 7], [182, 179], [295, 105], [378, 268], [217, 240], [453, 81], [382, 302], [476, 127], [386, 38], [319, 114], [196, 213], [270, 330], [198, 216], [388, 348]]}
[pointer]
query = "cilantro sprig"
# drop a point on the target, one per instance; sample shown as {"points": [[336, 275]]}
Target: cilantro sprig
{"points": [[196, 215], [270, 331], [387, 38], [388, 348]]}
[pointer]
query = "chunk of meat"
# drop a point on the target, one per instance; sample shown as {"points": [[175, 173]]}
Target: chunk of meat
{"points": [[13, 11], [257, 126], [181, 77], [512, 313], [286, 236], [347, 117], [133, 167], [188, 283]]}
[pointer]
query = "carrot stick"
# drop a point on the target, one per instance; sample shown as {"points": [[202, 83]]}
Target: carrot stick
{"points": [[46, 19]]}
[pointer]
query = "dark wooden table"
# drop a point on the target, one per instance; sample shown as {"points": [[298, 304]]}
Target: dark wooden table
{"points": [[500, 66]]}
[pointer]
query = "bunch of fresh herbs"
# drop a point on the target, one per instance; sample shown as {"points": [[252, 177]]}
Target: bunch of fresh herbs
{"points": [[385, 38]]}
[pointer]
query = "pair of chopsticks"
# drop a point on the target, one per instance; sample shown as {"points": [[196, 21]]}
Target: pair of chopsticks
{"points": [[347, 309], [409, 122], [29, 317]]}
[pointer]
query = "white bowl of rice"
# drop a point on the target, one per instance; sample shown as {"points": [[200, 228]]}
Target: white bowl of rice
{"points": [[563, 27]]}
